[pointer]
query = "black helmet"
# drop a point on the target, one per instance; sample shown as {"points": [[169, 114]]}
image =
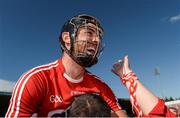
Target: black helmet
{"points": [[72, 27]]}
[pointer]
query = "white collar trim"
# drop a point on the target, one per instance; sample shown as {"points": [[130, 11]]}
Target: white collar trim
{"points": [[69, 78]]}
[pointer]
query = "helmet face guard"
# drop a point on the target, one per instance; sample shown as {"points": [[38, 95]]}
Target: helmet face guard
{"points": [[84, 51]]}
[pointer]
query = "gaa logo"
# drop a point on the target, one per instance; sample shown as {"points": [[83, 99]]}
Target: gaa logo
{"points": [[55, 98]]}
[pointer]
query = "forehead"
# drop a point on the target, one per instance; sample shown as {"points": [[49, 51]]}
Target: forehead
{"points": [[89, 28]]}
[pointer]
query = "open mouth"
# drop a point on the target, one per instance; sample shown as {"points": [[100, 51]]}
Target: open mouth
{"points": [[91, 51], [89, 48]]}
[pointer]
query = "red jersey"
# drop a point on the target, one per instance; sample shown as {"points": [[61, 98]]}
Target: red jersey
{"points": [[161, 110], [47, 91]]}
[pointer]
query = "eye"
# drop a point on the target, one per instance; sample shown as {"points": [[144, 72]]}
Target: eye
{"points": [[89, 33]]}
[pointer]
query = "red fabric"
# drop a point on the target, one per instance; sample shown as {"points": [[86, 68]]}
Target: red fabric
{"points": [[161, 110], [45, 91]]}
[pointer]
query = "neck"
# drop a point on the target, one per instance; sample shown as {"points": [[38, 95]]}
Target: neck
{"points": [[72, 68]]}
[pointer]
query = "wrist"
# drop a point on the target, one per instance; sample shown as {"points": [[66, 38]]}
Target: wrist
{"points": [[128, 78]]}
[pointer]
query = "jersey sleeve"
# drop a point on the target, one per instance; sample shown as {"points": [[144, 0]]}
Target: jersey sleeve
{"points": [[27, 96], [109, 96], [161, 110]]}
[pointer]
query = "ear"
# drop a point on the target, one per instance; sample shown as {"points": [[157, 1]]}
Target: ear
{"points": [[66, 37]]}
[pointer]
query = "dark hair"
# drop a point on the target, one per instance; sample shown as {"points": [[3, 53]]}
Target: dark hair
{"points": [[89, 105]]}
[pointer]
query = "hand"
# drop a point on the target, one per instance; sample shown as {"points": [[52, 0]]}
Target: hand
{"points": [[121, 67]]}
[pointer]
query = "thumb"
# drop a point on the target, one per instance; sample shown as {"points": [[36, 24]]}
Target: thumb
{"points": [[127, 68], [126, 62]]}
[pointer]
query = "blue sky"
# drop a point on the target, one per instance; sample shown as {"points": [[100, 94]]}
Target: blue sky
{"points": [[147, 30]]}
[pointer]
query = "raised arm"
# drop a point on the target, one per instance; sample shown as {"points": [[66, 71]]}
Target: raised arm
{"points": [[144, 102]]}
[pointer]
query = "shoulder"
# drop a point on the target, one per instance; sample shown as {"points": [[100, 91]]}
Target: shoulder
{"points": [[32, 80], [30, 86], [40, 69], [36, 74], [43, 68]]}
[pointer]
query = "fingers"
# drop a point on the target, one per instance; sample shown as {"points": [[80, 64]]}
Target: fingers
{"points": [[112, 70], [121, 67], [118, 68], [118, 65]]}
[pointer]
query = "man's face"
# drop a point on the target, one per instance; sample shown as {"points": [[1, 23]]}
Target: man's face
{"points": [[87, 40]]}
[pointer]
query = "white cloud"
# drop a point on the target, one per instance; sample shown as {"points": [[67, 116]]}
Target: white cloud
{"points": [[6, 86], [174, 19]]}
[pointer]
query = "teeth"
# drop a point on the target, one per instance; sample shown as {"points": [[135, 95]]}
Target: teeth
{"points": [[91, 49]]}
